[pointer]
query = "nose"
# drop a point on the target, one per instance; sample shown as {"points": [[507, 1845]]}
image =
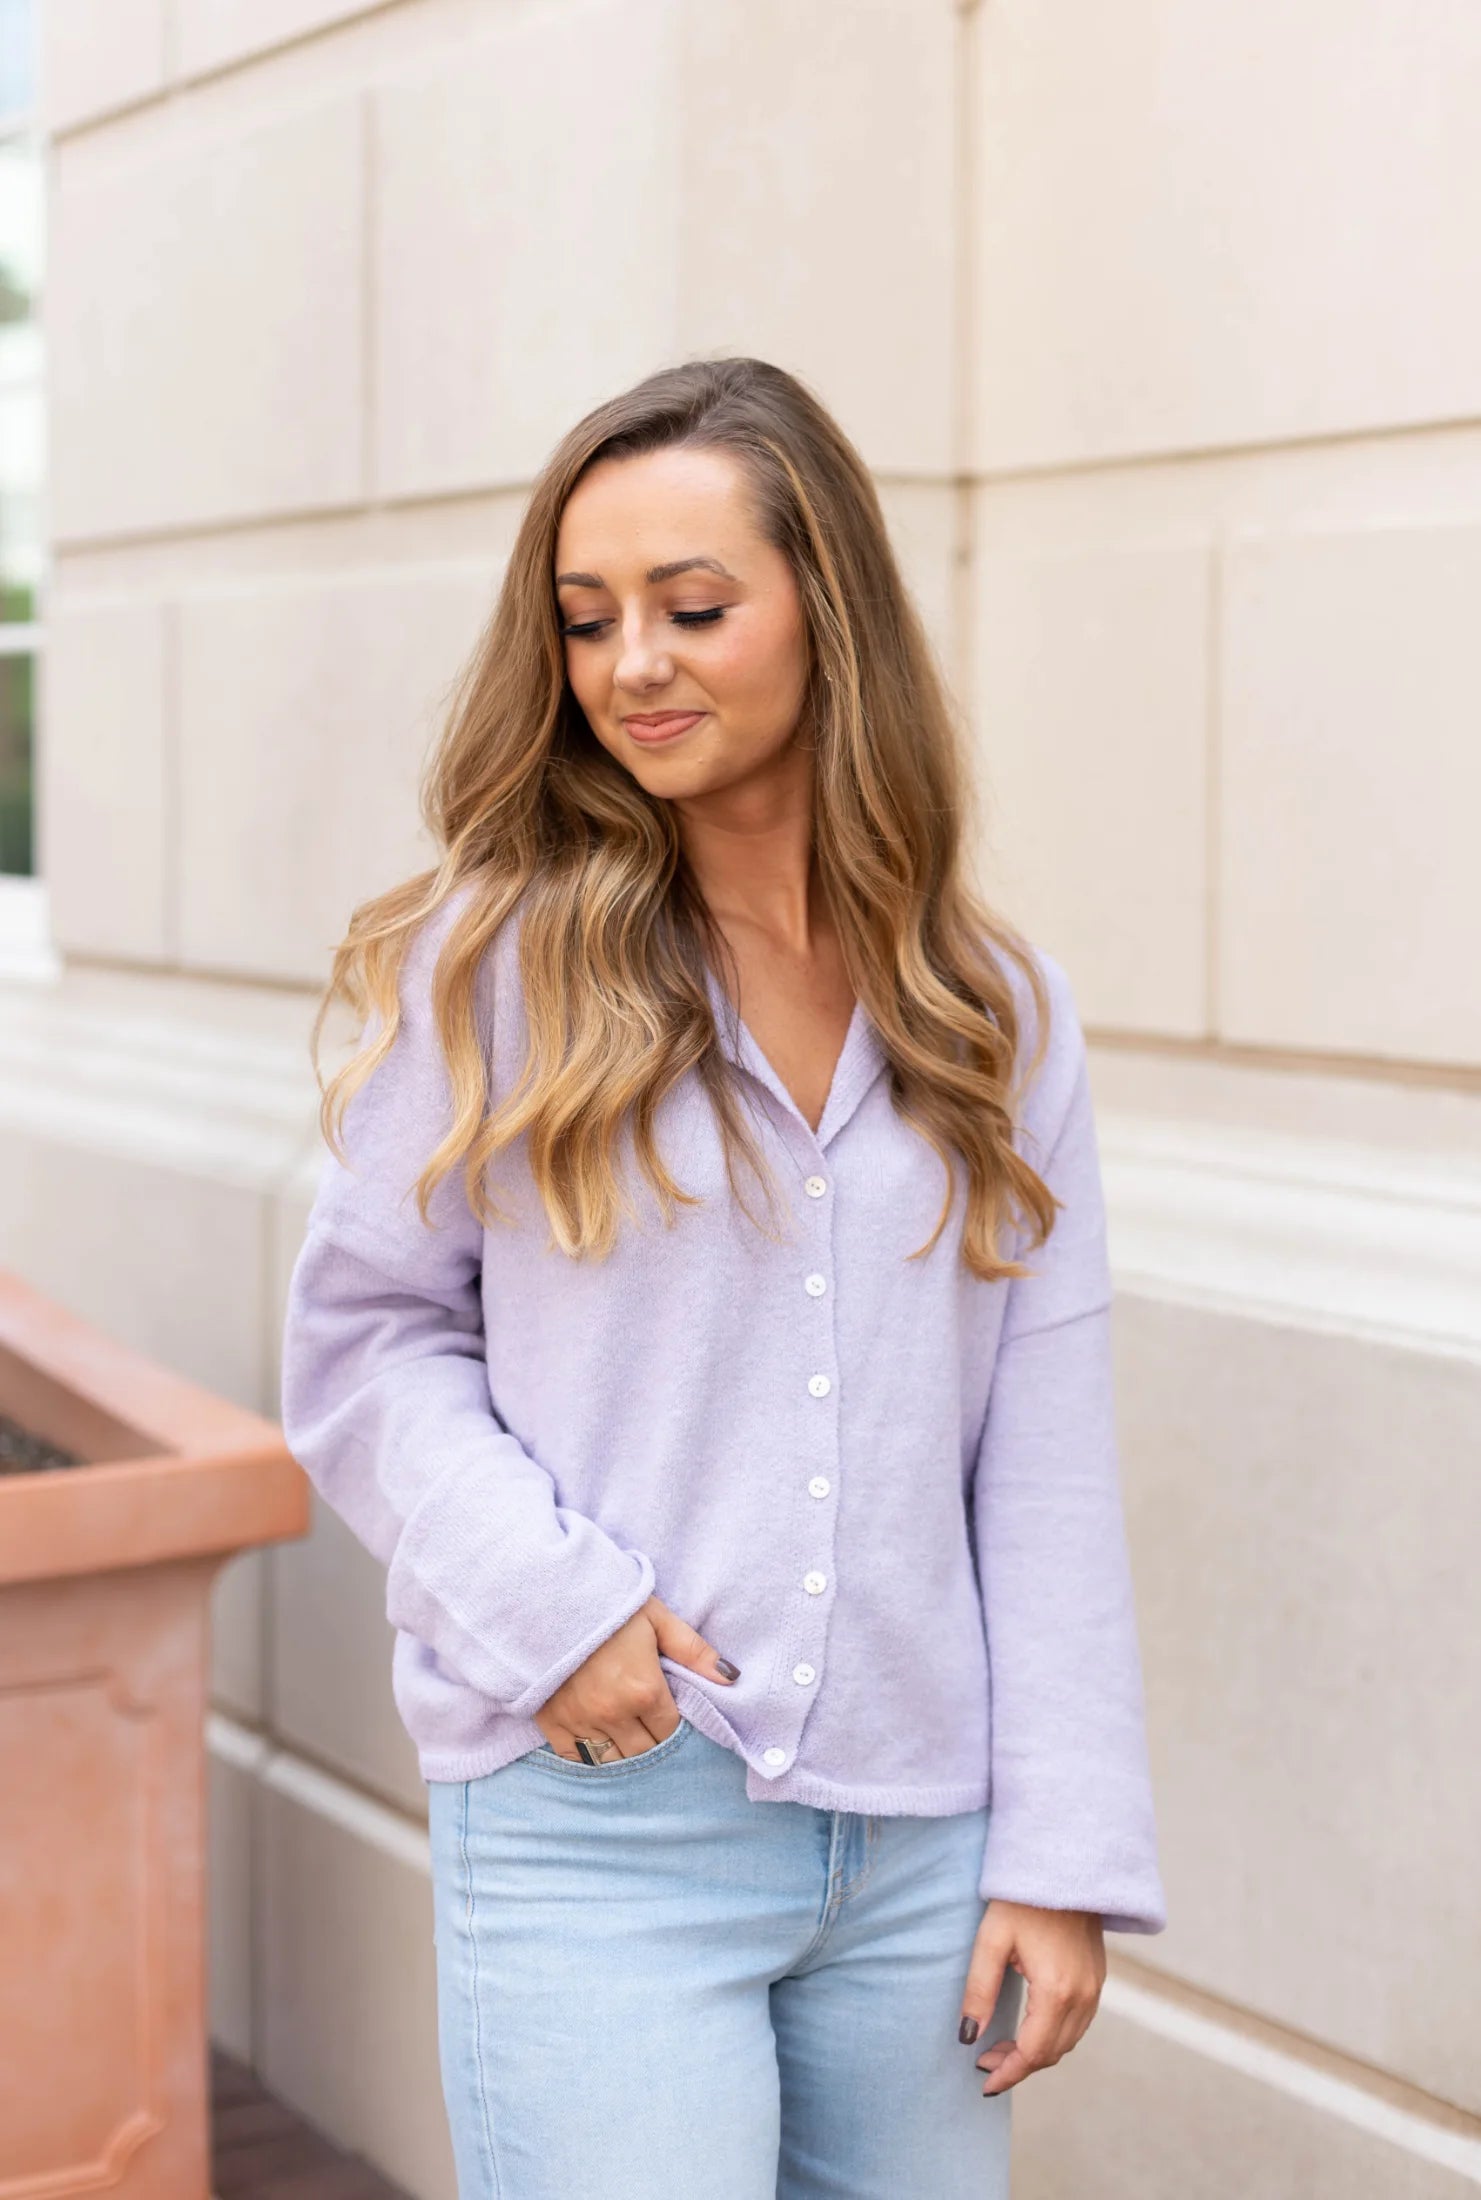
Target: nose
{"points": [[643, 661]]}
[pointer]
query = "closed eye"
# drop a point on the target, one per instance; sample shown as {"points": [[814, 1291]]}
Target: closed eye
{"points": [[586, 629]]}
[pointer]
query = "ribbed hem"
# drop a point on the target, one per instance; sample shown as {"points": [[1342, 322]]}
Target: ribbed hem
{"points": [[892, 1799], [435, 1766], [879, 1802]]}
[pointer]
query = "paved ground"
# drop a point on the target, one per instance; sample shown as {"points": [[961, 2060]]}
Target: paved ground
{"points": [[262, 2151]]}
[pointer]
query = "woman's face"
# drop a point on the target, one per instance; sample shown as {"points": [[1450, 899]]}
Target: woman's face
{"points": [[684, 636]]}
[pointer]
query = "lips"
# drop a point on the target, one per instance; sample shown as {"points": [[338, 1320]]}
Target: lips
{"points": [[661, 725]]}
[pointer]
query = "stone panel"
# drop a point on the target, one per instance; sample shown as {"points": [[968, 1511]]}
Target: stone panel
{"points": [[230, 1792], [306, 711], [212, 34], [517, 284], [1131, 2114], [1207, 225], [347, 2030], [236, 1635], [103, 763], [1091, 683], [1351, 793], [169, 1263], [331, 1663], [95, 59], [205, 330], [514, 290], [1303, 1518], [817, 208], [921, 517]]}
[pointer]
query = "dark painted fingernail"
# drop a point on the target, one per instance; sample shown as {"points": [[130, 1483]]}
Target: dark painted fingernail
{"points": [[731, 1672], [968, 2030]]}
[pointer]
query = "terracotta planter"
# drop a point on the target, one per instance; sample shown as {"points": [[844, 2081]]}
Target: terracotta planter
{"points": [[105, 1577]]}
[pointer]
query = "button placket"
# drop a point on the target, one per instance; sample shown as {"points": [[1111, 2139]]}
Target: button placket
{"points": [[815, 1580]]}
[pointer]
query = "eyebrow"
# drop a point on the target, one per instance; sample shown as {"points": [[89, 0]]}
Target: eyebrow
{"points": [[653, 576]]}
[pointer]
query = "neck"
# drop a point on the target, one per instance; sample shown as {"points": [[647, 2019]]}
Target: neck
{"points": [[750, 848]]}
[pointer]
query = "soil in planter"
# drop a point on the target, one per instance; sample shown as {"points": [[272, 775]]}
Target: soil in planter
{"points": [[23, 1453]]}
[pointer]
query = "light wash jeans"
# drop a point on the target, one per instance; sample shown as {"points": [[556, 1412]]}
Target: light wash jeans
{"points": [[652, 1988]]}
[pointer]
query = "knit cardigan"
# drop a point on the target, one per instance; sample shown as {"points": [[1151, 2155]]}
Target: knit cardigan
{"points": [[885, 1489]]}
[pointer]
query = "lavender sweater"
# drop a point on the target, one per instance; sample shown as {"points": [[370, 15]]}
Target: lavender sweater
{"points": [[886, 1490]]}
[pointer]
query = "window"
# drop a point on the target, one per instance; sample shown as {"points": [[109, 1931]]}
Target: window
{"points": [[22, 476]]}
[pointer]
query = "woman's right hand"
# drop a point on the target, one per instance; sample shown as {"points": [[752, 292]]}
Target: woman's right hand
{"points": [[621, 1689]]}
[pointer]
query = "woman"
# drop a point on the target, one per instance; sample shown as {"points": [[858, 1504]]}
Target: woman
{"points": [[731, 1406]]}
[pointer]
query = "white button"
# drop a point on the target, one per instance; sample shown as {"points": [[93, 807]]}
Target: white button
{"points": [[815, 1186], [815, 1584], [819, 1486], [815, 1286], [802, 1674], [774, 1756], [819, 1385]]}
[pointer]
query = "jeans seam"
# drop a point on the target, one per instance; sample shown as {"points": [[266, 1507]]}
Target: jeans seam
{"points": [[831, 1906], [852, 1886], [470, 1909], [819, 1939]]}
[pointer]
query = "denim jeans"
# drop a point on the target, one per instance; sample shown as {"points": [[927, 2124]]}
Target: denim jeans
{"points": [[652, 1988]]}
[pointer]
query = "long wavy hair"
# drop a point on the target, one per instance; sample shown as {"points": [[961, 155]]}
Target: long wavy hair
{"points": [[530, 811]]}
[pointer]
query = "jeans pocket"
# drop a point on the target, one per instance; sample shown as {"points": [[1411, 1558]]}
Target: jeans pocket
{"points": [[614, 1767]]}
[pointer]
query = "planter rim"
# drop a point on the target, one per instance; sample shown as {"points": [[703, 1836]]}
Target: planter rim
{"points": [[145, 1512], [198, 1475]]}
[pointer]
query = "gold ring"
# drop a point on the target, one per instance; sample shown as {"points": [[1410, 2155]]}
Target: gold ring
{"points": [[595, 1750]]}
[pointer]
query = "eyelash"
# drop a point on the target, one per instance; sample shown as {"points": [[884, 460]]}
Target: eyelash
{"points": [[592, 627]]}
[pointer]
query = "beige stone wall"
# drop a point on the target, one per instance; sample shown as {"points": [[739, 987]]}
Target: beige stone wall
{"points": [[1160, 329]]}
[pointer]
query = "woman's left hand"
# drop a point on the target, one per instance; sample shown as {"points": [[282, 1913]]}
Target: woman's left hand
{"points": [[1062, 1956]]}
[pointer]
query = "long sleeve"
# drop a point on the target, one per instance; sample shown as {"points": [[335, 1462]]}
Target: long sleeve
{"points": [[1071, 1823], [386, 1400]]}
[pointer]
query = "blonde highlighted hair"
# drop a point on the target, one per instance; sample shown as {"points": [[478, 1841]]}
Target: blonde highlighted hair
{"points": [[614, 937]]}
